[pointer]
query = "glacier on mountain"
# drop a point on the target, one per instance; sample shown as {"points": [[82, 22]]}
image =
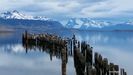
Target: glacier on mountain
{"points": [[17, 15], [85, 23], [16, 19], [90, 24]]}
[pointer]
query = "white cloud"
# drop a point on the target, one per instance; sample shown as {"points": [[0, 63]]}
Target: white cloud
{"points": [[68, 8], [99, 9], [108, 8]]}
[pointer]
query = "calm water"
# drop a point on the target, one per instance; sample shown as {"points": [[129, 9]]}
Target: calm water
{"points": [[116, 46]]}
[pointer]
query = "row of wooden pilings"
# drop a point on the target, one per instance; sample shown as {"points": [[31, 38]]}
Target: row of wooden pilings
{"points": [[84, 61], [86, 64], [44, 38]]}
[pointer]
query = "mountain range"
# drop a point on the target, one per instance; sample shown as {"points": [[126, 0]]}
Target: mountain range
{"points": [[90, 24], [17, 19], [16, 15]]}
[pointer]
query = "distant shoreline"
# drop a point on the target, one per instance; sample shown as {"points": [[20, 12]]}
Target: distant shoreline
{"points": [[6, 30], [101, 30]]}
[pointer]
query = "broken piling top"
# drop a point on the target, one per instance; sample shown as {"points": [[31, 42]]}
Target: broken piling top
{"points": [[26, 32], [113, 67], [105, 62], [74, 37]]}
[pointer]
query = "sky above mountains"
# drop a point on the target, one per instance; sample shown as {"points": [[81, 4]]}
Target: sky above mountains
{"points": [[61, 9]]}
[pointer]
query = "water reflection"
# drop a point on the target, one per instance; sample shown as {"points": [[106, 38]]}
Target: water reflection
{"points": [[116, 46]]}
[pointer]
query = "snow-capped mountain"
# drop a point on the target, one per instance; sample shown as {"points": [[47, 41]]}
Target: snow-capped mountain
{"points": [[18, 20], [85, 23], [90, 24], [16, 15]]}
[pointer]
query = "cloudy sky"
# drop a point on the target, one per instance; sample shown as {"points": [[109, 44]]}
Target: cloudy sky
{"points": [[60, 9]]}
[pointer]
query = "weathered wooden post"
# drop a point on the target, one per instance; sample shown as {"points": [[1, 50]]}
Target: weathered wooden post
{"points": [[89, 55], [79, 62], [116, 68], [97, 63], [25, 40], [89, 60], [78, 44], [100, 63], [123, 72], [111, 69], [83, 48], [74, 40], [105, 68], [71, 44], [64, 60], [93, 71]]}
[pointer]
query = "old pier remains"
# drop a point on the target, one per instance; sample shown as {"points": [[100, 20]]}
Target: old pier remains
{"points": [[84, 61]]}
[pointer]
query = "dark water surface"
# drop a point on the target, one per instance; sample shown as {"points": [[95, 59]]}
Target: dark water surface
{"points": [[116, 46]]}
